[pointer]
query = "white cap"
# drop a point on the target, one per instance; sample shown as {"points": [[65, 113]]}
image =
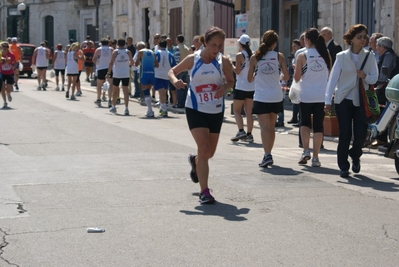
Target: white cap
{"points": [[244, 39], [14, 39]]}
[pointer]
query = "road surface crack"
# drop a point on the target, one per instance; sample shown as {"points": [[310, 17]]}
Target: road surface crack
{"points": [[3, 245], [384, 228]]}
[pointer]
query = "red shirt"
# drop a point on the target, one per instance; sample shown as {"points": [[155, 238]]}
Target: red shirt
{"points": [[7, 68]]}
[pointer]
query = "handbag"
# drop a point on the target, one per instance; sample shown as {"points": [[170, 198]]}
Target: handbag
{"points": [[295, 92], [369, 106]]}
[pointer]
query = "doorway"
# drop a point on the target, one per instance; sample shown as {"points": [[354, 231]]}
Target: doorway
{"points": [[291, 30]]}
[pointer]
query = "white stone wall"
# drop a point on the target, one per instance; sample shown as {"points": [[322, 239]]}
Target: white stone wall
{"points": [[341, 14]]}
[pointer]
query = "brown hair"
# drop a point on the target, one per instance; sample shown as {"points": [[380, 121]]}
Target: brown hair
{"points": [[269, 38], [353, 31], [210, 33]]}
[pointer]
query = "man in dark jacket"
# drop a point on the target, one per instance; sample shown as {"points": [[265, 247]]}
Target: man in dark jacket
{"points": [[333, 47]]}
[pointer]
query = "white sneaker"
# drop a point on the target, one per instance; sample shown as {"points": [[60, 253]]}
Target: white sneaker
{"points": [[126, 112], [316, 162], [150, 114], [304, 157]]}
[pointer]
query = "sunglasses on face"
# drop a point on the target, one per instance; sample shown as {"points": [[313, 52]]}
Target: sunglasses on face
{"points": [[361, 36], [4, 46]]}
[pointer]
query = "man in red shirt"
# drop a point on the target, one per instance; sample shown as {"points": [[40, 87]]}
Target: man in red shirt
{"points": [[7, 65]]}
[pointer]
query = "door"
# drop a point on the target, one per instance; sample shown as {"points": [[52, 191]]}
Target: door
{"points": [[365, 14], [269, 15], [224, 18], [175, 23], [307, 14]]}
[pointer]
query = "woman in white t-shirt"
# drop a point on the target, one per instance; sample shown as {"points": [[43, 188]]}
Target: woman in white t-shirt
{"points": [[313, 67], [268, 95], [244, 91]]}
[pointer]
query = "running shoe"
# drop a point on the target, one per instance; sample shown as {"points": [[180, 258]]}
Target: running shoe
{"points": [[249, 138], [62, 88], [150, 114], [109, 104], [239, 135], [304, 157], [112, 110], [39, 88], [98, 102], [87, 80], [5, 106], [316, 162], [193, 172], [118, 101], [266, 161], [126, 112], [104, 98], [72, 97], [16, 87], [9, 97], [67, 94], [57, 88], [78, 94], [205, 197], [163, 113]]}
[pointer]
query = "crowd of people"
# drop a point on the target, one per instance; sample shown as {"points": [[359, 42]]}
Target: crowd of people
{"points": [[198, 77]]}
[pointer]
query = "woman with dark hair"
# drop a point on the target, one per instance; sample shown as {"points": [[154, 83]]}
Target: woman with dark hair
{"points": [[244, 91], [344, 84], [210, 77], [268, 96], [312, 68]]}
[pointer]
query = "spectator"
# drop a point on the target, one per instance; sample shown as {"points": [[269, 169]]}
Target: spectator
{"points": [[181, 52], [373, 44], [387, 58], [333, 47], [344, 84]]}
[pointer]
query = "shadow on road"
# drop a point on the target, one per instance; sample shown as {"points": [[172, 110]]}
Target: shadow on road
{"points": [[363, 181], [227, 211]]}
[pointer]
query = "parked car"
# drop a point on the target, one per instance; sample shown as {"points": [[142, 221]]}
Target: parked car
{"points": [[26, 59]]}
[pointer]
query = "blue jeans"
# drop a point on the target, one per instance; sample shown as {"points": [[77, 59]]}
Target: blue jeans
{"points": [[182, 93], [349, 119]]}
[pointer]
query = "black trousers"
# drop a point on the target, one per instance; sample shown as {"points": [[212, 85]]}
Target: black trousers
{"points": [[350, 121]]}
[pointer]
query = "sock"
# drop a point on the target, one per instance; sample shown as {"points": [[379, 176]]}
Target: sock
{"points": [[148, 103]]}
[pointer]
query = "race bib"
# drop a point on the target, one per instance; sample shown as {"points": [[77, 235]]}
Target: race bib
{"points": [[206, 93]]}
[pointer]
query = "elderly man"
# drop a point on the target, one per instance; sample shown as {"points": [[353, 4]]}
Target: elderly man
{"points": [[373, 44], [333, 47], [387, 59]]}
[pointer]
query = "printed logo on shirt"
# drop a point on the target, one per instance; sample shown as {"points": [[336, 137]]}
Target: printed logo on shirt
{"points": [[208, 72], [268, 68], [315, 66]]}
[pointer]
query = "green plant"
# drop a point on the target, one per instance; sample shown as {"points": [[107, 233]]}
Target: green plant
{"points": [[331, 113]]}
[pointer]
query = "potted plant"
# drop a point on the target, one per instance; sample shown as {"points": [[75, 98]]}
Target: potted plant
{"points": [[330, 123]]}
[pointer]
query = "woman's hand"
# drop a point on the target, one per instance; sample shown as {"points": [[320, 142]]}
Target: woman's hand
{"points": [[179, 84], [361, 74], [327, 109], [220, 91]]}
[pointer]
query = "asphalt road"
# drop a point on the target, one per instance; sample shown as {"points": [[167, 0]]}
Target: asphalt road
{"points": [[69, 165]]}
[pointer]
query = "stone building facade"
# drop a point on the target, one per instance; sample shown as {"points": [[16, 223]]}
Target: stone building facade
{"points": [[60, 20]]}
